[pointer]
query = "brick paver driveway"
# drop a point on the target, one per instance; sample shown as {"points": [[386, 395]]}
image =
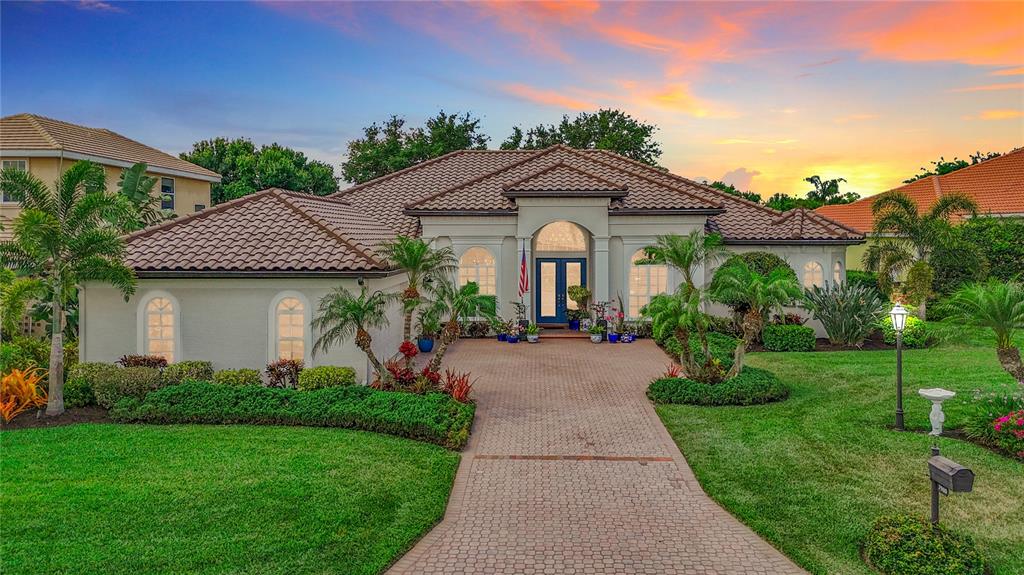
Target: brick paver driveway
{"points": [[569, 470]]}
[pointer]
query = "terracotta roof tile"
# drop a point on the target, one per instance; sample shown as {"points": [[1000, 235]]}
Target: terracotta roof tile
{"points": [[561, 177]]}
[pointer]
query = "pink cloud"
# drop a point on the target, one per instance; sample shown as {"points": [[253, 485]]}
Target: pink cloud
{"points": [[991, 87], [544, 97]]}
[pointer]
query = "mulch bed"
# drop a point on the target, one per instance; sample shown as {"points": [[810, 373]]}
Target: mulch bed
{"points": [[29, 420], [873, 343]]}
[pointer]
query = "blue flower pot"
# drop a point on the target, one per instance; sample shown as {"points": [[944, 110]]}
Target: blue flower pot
{"points": [[512, 339], [425, 345], [613, 338], [502, 337], [574, 324]]}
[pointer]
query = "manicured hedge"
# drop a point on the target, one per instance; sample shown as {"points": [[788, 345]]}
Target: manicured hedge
{"points": [[751, 387], [185, 370], [903, 545], [788, 338], [720, 345], [435, 417], [110, 387], [238, 377], [915, 332], [325, 376]]}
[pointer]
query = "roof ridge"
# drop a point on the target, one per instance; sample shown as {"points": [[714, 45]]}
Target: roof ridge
{"points": [[646, 177], [806, 214], [391, 175], [34, 121], [196, 215], [562, 164], [343, 238]]}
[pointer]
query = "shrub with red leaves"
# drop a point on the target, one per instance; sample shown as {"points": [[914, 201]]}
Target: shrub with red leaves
{"points": [[284, 373], [432, 376], [457, 385], [408, 349], [403, 376], [674, 370], [132, 360]]}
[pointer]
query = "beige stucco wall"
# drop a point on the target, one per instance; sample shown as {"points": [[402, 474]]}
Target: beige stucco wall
{"points": [[225, 320]]}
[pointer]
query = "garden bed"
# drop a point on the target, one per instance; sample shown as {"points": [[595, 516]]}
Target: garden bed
{"points": [[873, 343], [91, 414]]}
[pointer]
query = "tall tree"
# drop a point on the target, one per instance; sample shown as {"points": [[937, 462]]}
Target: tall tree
{"points": [[604, 129], [734, 191], [343, 315], [246, 169], [63, 237], [391, 146], [943, 166], [421, 264], [458, 303], [825, 192]]}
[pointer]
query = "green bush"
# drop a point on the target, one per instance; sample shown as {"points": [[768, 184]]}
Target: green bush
{"points": [[1001, 241], [915, 333], [185, 370], [14, 357], [903, 545], [125, 382], [751, 387], [238, 377], [956, 263], [788, 337], [37, 349], [720, 346], [78, 393], [867, 279], [434, 417], [83, 380], [326, 376]]}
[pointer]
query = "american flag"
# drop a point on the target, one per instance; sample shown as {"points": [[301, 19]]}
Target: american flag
{"points": [[524, 278]]}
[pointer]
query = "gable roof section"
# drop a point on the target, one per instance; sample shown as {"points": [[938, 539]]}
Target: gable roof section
{"points": [[997, 185], [559, 178], [273, 231], [38, 136]]}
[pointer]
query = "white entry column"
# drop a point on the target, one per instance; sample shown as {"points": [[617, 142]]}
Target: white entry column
{"points": [[602, 274]]}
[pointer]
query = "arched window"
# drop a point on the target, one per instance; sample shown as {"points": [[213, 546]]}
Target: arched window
{"points": [[158, 327], [477, 265], [645, 281], [837, 272], [291, 328], [814, 275], [561, 237]]}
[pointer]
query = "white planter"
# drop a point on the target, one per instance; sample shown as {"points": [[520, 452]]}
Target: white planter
{"points": [[533, 338], [595, 338]]}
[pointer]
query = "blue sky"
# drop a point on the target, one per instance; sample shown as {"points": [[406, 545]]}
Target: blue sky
{"points": [[763, 94]]}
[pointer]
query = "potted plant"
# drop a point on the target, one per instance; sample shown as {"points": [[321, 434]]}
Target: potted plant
{"points": [[580, 295], [501, 329], [596, 332], [514, 331], [430, 326], [533, 333], [574, 316]]}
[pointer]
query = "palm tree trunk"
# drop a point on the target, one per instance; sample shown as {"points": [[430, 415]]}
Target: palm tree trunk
{"points": [[1010, 359], [365, 343], [922, 309], [407, 324], [752, 324], [55, 396], [449, 334], [686, 355]]}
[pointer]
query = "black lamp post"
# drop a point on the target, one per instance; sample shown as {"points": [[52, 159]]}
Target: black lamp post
{"points": [[898, 315]]}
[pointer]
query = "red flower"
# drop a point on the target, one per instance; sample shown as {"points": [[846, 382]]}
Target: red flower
{"points": [[408, 349]]}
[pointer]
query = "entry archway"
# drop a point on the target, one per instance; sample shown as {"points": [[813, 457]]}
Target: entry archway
{"points": [[561, 251]]}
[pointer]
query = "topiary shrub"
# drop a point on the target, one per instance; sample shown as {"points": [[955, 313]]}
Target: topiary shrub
{"points": [[915, 332], [751, 387], [903, 545], [238, 377], [185, 370], [788, 337], [284, 373], [125, 382], [325, 376]]}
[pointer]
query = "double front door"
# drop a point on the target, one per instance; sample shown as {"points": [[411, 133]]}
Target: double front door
{"points": [[553, 277]]}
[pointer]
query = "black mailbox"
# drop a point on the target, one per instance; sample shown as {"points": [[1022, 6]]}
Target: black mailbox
{"points": [[950, 474]]}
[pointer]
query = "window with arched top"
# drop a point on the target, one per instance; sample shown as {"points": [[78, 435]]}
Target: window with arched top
{"points": [[814, 275], [160, 328], [477, 265], [837, 272], [645, 282], [561, 237], [290, 314]]}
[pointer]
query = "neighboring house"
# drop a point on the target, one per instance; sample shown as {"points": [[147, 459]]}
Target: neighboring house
{"points": [[997, 185], [45, 147], [237, 284]]}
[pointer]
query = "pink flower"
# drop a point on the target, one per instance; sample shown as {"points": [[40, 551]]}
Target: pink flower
{"points": [[999, 426]]}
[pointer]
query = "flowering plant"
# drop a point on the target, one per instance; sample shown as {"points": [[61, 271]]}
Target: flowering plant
{"points": [[1009, 432], [514, 329], [408, 349]]}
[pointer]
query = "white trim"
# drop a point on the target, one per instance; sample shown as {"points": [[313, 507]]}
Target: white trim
{"points": [[28, 168], [109, 162], [140, 314], [494, 264], [307, 331]]}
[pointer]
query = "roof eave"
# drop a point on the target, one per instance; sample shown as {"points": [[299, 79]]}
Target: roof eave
{"points": [[198, 274], [792, 242], [50, 153]]}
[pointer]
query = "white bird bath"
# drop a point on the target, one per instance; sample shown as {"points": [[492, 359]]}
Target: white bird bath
{"points": [[936, 396]]}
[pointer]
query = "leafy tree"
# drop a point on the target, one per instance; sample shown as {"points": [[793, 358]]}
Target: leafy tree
{"points": [[343, 315], [995, 305], [137, 187], [245, 169], [63, 238], [1001, 240], [458, 303], [421, 264], [605, 129], [731, 189], [943, 166], [15, 295], [825, 193], [391, 146]]}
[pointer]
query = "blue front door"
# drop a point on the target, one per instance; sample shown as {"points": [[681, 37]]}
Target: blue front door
{"points": [[553, 277]]}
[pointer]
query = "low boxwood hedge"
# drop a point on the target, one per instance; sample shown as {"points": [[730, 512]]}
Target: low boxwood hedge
{"points": [[185, 370], [325, 376], [788, 338], [904, 545], [915, 332], [242, 376], [751, 387], [434, 417]]}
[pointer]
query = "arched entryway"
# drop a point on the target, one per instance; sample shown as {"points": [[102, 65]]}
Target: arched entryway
{"points": [[561, 253]]}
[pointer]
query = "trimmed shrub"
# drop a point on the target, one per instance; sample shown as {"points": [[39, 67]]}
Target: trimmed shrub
{"points": [[904, 545], [751, 387], [238, 377], [325, 376], [125, 382], [788, 337], [434, 417], [915, 333], [284, 373], [135, 360], [185, 370], [720, 346], [83, 380], [78, 393]]}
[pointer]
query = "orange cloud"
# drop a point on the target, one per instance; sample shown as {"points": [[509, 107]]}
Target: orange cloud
{"points": [[854, 118], [547, 97], [991, 87], [1009, 72], [1001, 114]]}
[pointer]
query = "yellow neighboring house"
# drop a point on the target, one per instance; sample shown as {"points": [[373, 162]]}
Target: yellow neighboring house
{"points": [[45, 147]]}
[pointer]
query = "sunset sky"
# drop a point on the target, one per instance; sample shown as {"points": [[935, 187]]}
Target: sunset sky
{"points": [[760, 94]]}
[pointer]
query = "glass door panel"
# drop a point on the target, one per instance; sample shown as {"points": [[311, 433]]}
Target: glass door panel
{"points": [[548, 291], [573, 277]]}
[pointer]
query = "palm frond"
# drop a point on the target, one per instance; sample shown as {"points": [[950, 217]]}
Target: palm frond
{"points": [[951, 204], [107, 270], [27, 189], [81, 179], [15, 295]]}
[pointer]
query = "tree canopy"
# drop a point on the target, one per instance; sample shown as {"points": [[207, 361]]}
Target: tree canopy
{"points": [[825, 193], [733, 190], [604, 129], [246, 169], [943, 166]]}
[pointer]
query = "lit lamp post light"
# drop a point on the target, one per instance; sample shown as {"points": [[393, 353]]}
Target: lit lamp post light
{"points": [[898, 315]]}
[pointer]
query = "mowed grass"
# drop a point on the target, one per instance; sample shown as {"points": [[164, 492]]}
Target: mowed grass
{"points": [[812, 473], [214, 499]]}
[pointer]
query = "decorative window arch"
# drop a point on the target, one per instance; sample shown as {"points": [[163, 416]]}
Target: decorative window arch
{"points": [[645, 282], [289, 327], [477, 265], [561, 236], [837, 272], [814, 274], [159, 326]]}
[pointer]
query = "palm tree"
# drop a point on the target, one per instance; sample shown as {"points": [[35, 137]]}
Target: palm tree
{"points": [[906, 237], [422, 264], [686, 253], [343, 315], [679, 314], [15, 295], [458, 303], [759, 293], [62, 237], [997, 306], [137, 188]]}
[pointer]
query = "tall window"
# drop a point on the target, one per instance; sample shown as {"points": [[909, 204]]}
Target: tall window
{"points": [[477, 265], [17, 165], [160, 328], [645, 281], [814, 275], [291, 329], [837, 272], [561, 237], [166, 193]]}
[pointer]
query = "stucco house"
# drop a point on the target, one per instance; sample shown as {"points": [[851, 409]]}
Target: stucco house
{"points": [[46, 147], [237, 284]]}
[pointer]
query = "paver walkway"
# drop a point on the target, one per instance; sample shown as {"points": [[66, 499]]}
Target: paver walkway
{"points": [[570, 471]]}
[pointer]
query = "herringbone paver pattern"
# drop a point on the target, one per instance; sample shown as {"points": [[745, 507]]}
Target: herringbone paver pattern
{"points": [[570, 471]]}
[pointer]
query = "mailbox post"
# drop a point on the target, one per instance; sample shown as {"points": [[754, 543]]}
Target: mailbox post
{"points": [[947, 475]]}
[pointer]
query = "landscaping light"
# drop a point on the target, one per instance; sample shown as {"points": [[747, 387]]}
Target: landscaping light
{"points": [[898, 315]]}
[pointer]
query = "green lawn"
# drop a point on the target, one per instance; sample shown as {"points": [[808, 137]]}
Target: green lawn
{"points": [[214, 499], [811, 474]]}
